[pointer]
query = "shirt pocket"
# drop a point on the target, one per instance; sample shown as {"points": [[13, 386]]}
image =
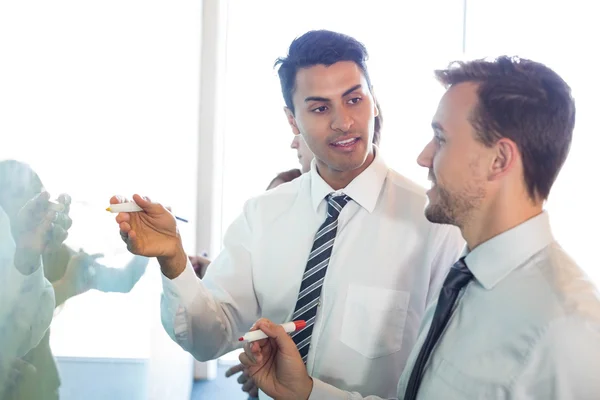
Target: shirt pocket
{"points": [[452, 383], [374, 319]]}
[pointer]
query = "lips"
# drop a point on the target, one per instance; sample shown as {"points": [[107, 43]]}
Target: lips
{"points": [[345, 142]]}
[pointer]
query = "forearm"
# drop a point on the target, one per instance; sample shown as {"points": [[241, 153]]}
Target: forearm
{"points": [[207, 316], [194, 319], [121, 280], [62, 292]]}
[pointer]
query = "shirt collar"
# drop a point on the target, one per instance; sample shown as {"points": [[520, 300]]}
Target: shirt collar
{"points": [[364, 189], [492, 261]]}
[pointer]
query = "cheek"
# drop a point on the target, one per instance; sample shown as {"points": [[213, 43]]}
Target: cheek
{"points": [[365, 117], [447, 169], [314, 128], [306, 152]]}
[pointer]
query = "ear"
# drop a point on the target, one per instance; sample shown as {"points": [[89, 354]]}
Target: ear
{"points": [[291, 120], [375, 103], [505, 158]]}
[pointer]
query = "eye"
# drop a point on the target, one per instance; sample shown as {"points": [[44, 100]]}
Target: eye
{"points": [[354, 100], [319, 110]]}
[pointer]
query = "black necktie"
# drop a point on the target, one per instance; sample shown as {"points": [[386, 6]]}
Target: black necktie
{"points": [[457, 278]]}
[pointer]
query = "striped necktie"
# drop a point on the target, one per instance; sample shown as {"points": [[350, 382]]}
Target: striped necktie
{"points": [[314, 274]]}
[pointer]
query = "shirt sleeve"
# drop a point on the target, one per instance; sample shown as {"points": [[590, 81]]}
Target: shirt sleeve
{"points": [[564, 364], [206, 317], [120, 280]]}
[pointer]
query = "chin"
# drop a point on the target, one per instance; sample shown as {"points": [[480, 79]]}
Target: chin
{"points": [[437, 214], [348, 165], [352, 161]]}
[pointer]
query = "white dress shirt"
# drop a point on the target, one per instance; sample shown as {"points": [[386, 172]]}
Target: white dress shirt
{"points": [[26, 304], [526, 327], [387, 263]]}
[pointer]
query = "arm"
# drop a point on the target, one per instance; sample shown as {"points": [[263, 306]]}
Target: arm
{"points": [[121, 280], [277, 368], [26, 302], [77, 277], [207, 316], [62, 292], [72, 273], [564, 364], [200, 264], [27, 306], [204, 317], [26, 297], [55, 265]]}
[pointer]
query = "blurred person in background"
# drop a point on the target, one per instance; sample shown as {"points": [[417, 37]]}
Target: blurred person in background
{"points": [[27, 298], [70, 273]]}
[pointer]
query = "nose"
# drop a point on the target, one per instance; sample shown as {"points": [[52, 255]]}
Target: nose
{"points": [[295, 140], [425, 159], [342, 120]]}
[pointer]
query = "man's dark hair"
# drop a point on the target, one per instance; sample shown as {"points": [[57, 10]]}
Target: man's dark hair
{"points": [[523, 101], [318, 48]]}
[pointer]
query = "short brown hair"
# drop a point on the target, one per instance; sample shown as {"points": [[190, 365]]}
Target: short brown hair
{"points": [[526, 102]]}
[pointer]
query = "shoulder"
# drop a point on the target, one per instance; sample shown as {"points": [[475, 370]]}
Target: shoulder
{"points": [[275, 201]]}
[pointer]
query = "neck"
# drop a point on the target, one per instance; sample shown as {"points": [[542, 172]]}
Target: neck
{"points": [[496, 219], [340, 179]]}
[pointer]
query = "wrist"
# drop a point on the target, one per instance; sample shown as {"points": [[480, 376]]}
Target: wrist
{"points": [[306, 389], [173, 264]]}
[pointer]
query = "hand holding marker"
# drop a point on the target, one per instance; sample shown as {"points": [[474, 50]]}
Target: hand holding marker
{"points": [[55, 206], [131, 207], [289, 327]]}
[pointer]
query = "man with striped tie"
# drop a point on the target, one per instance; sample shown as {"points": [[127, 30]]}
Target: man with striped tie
{"points": [[516, 317], [345, 247]]}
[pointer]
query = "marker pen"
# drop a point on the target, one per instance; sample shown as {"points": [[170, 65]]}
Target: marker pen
{"points": [[55, 206], [289, 327], [131, 207]]}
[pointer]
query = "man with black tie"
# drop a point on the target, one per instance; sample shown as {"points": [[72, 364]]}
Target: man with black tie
{"points": [[516, 317]]}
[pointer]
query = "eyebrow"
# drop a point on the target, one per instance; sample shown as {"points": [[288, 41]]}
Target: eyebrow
{"points": [[325, 99]]}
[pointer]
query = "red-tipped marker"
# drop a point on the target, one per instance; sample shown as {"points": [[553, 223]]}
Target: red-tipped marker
{"points": [[289, 327]]}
